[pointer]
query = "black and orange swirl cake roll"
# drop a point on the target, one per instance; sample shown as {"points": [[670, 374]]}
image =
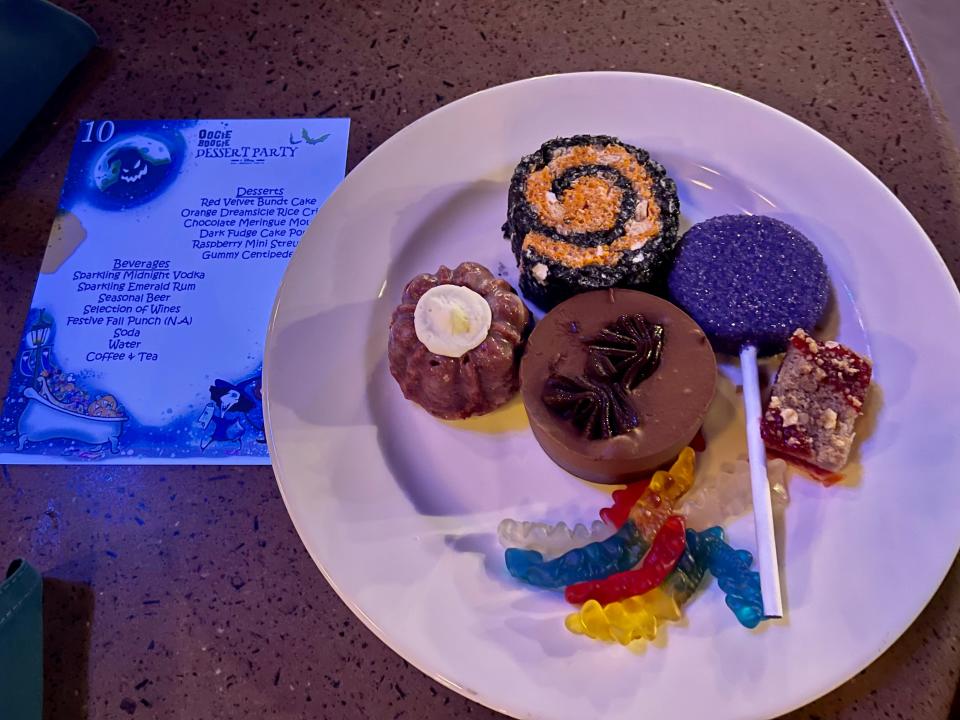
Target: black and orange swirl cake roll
{"points": [[589, 212]]}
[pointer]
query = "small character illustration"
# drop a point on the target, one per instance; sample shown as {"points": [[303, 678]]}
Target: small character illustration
{"points": [[133, 170], [104, 406], [128, 165], [253, 389], [227, 413], [131, 161]]}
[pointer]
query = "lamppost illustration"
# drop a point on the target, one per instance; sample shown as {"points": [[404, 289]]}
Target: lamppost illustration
{"points": [[37, 359]]}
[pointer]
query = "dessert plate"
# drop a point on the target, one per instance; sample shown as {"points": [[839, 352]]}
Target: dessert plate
{"points": [[399, 510]]}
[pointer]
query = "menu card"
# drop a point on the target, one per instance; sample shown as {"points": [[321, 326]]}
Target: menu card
{"points": [[144, 341]]}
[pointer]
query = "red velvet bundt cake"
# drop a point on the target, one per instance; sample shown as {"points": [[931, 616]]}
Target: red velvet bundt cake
{"points": [[471, 366]]}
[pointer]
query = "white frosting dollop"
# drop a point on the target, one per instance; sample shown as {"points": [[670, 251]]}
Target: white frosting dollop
{"points": [[451, 320]]}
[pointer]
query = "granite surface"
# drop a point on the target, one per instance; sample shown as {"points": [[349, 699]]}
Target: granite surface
{"points": [[185, 592]]}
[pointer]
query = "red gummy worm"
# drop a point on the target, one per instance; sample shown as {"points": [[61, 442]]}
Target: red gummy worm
{"points": [[659, 562], [623, 502]]}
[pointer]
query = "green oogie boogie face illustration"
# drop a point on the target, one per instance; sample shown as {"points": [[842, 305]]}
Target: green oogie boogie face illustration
{"points": [[134, 170]]}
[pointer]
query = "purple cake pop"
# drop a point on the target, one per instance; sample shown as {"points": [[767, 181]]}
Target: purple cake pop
{"points": [[749, 280]]}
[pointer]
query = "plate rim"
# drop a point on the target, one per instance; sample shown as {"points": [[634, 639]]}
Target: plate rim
{"points": [[413, 658]]}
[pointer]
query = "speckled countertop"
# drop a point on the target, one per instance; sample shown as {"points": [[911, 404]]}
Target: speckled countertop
{"points": [[185, 592]]}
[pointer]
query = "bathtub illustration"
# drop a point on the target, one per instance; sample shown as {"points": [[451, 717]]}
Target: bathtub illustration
{"points": [[46, 419]]}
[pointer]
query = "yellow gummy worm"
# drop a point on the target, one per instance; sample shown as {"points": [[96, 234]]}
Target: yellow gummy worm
{"points": [[656, 503], [632, 619], [671, 485]]}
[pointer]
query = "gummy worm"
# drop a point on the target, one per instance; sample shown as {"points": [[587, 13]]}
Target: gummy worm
{"points": [[686, 577], [666, 487], [550, 540], [679, 478], [624, 621], [732, 570], [658, 563], [671, 484], [619, 552], [639, 617], [623, 502], [726, 494]]}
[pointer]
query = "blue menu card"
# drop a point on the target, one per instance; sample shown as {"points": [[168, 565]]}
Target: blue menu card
{"points": [[144, 341]]}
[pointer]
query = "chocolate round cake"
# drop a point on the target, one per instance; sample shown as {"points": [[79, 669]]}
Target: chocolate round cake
{"points": [[589, 212], [455, 341], [616, 383]]}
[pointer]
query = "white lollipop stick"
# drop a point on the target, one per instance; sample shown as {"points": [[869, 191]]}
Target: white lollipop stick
{"points": [[762, 507]]}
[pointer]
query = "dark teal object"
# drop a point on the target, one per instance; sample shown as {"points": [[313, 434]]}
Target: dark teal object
{"points": [[732, 570], [21, 643], [39, 45], [686, 577]]}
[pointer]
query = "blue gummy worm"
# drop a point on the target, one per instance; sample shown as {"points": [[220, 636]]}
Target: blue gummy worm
{"points": [[597, 560], [732, 570]]}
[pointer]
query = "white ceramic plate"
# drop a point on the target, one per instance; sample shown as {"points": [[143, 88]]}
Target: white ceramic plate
{"points": [[399, 510]]}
